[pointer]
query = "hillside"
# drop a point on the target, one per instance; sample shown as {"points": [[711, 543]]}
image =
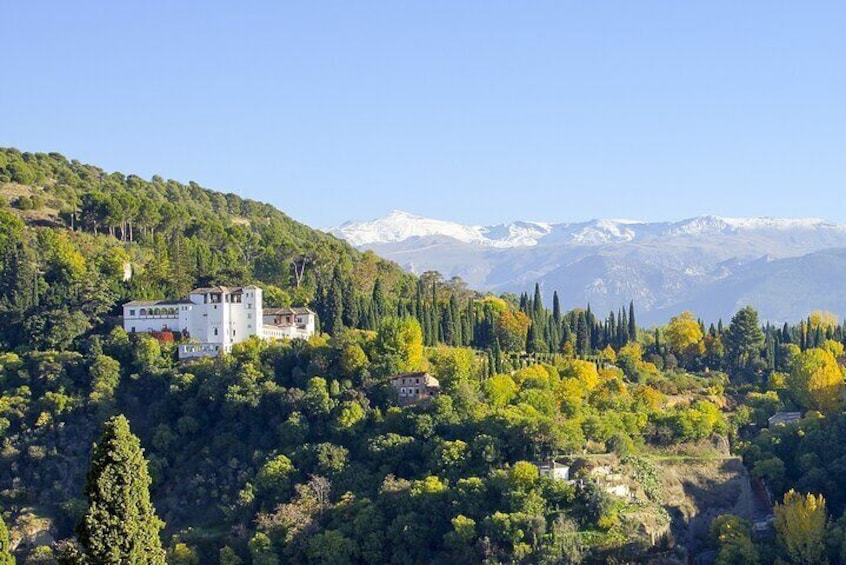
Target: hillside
{"points": [[130, 237]]}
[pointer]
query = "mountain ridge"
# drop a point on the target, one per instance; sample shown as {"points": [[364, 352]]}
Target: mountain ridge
{"points": [[399, 226], [663, 266]]}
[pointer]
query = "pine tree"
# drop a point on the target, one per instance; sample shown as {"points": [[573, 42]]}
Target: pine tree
{"points": [[744, 338], [121, 525], [6, 557]]}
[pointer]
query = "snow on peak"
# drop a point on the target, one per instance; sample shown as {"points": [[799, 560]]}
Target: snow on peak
{"points": [[598, 232], [398, 226]]}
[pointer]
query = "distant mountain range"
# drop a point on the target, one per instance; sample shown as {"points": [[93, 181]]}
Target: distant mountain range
{"points": [[709, 264]]}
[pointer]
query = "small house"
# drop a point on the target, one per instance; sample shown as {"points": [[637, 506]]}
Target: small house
{"points": [[413, 388], [553, 470], [783, 418]]}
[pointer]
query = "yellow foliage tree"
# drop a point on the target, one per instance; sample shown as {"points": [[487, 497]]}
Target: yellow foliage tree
{"points": [[822, 319], [834, 347], [499, 389], [683, 332], [609, 354], [816, 381], [800, 523], [585, 372]]}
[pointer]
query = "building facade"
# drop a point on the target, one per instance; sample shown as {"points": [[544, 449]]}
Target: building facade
{"points": [[413, 388], [216, 318]]}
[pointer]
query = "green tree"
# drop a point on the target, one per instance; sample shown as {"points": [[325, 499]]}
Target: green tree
{"points": [[399, 346], [182, 554], [6, 557], [744, 338], [261, 550], [120, 525], [105, 377], [229, 557], [331, 546], [733, 537], [274, 477]]}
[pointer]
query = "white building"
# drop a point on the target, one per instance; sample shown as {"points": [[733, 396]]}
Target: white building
{"points": [[216, 318], [553, 470], [280, 323]]}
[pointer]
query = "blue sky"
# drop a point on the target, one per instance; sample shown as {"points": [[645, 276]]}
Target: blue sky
{"points": [[477, 112]]}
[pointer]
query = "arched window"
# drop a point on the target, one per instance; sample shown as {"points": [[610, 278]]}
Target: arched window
{"points": [[143, 311], [156, 311]]}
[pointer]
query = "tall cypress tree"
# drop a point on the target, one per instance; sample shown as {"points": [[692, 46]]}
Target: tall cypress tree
{"points": [[121, 525], [537, 303], [632, 324], [6, 557], [556, 308], [582, 335]]}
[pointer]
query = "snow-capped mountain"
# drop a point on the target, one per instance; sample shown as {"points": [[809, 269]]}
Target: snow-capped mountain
{"points": [[399, 226], [663, 266]]}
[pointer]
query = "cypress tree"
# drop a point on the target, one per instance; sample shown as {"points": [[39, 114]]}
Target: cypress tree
{"points": [[379, 306], [632, 324], [6, 557], [566, 336], [537, 304], [556, 308], [121, 525], [582, 335]]}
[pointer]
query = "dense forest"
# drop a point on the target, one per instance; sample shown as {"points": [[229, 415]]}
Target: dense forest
{"points": [[299, 452]]}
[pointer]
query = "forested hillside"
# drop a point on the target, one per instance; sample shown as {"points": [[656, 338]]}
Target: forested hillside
{"points": [[76, 241], [300, 451]]}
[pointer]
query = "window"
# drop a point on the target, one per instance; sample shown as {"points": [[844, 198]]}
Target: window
{"points": [[133, 329], [215, 331], [417, 381], [132, 312], [233, 333], [143, 311], [250, 316]]}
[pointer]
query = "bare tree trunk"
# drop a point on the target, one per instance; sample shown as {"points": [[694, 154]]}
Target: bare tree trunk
{"points": [[299, 272]]}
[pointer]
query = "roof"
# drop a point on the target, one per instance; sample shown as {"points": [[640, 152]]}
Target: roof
{"points": [[221, 288], [157, 302], [784, 418], [282, 311], [427, 378], [550, 465], [207, 289]]}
